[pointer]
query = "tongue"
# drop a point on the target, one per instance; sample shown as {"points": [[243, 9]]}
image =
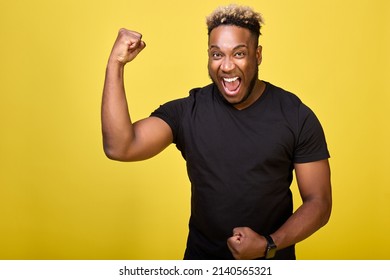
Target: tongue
{"points": [[232, 86]]}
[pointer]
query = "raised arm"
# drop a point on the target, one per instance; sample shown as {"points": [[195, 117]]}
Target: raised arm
{"points": [[123, 140]]}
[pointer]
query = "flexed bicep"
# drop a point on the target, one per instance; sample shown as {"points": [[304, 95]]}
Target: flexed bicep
{"points": [[152, 135]]}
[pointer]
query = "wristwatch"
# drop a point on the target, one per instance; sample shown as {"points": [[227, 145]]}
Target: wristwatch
{"points": [[271, 248]]}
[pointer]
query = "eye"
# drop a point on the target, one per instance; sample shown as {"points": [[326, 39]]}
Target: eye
{"points": [[239, 54], [215, 55]]}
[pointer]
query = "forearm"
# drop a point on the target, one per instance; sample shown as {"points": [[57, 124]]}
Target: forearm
{"points": [[307, 219], [116, 123], [123, 140]]}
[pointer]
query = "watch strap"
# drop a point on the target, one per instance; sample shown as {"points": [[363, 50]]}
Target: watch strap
{"points": [[271, 247]]}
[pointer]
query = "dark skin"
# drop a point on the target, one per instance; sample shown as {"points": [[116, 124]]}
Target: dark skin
{"points": [[235, 55], [233, 58]]}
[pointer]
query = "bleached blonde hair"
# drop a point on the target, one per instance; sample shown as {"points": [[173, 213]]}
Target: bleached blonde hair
{"points": [[242, 16]]}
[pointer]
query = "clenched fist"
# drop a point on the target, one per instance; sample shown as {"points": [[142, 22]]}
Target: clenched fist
{"points": [[127, 46], [245, 244]]}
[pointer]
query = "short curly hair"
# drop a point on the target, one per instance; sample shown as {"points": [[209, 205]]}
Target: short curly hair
{"points": [[233, 14]]}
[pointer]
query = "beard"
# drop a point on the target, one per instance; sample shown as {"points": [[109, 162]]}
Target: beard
{"points": [[247, 94]]}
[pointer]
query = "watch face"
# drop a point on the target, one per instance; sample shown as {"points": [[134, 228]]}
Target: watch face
{"points": [[271, 250]]}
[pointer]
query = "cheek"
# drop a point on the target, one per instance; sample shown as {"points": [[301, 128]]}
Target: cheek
{"points": [[213, 68], [249, 68]]}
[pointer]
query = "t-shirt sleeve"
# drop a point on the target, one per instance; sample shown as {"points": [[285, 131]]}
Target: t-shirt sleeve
{"points": [[171, 112], [311, 143]]}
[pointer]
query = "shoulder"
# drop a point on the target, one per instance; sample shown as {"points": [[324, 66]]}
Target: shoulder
{"points": [[287, 100], [201, 91], [310, 138], [281, 95], [193, 94], [173, 112]]}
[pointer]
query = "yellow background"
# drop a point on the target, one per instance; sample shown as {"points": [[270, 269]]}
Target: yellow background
{"points": [[60, 198]]}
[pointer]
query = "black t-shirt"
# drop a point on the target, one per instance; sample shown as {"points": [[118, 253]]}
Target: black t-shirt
{"points": [[240, 162]]}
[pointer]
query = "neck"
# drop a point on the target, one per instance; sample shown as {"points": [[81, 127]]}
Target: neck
{"points": [[252, 96]]}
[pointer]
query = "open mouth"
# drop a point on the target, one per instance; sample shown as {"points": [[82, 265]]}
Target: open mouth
{"points": [[231, 85]]}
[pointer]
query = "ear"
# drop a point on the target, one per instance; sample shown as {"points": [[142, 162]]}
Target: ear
{"points": [[259, 54]]}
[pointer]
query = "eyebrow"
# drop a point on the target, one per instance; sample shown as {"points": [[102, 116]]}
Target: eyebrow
{"points": [[236, 47]]}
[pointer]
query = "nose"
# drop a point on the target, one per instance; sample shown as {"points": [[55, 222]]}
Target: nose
{"points": [[227, 64]]}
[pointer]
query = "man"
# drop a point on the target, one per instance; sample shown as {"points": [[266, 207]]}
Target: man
{"points": [[241, 138]]}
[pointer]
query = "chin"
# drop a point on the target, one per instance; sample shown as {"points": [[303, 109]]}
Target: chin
{"points": [[234, 100]]}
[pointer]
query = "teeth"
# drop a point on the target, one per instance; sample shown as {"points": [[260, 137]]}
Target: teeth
{"points": [[230, 80]]}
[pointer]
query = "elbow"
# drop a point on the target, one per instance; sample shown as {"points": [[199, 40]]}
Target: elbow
{"points": [[114, 149], [327, 213], [325, 219], [114, 154], [110, 154]]}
